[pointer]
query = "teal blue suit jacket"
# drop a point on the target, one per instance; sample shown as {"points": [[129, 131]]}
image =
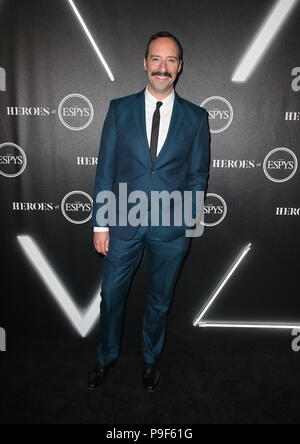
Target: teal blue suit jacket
{"points": [[124, 156]]}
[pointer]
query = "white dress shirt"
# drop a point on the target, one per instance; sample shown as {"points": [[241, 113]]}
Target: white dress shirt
{"points": [[165, 118]]}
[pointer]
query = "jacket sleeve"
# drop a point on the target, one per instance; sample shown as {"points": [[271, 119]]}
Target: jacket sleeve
{"points": [[107, 160], [199, 162]]}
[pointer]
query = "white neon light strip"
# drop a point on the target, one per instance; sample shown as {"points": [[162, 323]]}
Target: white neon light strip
{"points": [[229, 324], [82, 322], [263, 40], [91, 39], [249, 325], [235, 265]]}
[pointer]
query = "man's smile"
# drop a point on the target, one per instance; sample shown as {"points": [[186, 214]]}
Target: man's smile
{"points": [[162, 77]]}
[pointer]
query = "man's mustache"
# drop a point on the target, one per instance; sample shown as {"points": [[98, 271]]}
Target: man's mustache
{"points": [[162, 74]]}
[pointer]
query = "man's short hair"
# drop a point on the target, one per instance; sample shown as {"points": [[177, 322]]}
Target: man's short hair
{"points": [[164, 34]]}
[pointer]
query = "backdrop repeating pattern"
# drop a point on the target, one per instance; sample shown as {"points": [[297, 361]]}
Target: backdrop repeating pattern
{"points": [[61, 63]]}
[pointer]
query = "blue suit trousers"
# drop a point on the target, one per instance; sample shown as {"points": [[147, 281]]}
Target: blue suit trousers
{"points": [[164, 260]]}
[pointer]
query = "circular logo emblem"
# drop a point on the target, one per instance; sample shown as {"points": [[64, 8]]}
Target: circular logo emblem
{"points": [[280, 165], [76, 112], [220, 113], [13, 160], [215, 210], [77, 207]]}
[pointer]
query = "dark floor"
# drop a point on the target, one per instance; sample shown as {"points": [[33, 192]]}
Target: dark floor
{"points": [[214, 377]]}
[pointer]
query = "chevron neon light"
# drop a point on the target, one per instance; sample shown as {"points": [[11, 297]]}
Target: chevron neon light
{"points": [[91, 39], [83, 322], [263, 39], [237, 324], [235, 265]]}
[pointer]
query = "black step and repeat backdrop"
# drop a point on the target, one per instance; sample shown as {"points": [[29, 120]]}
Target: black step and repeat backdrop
{"points": [[60, 64]]}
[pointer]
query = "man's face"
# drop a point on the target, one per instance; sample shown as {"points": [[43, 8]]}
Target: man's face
{"points": [[162, 65]]}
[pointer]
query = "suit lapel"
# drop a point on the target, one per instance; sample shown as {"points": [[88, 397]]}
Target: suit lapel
{"points": [[176, 118], [140, 118]]}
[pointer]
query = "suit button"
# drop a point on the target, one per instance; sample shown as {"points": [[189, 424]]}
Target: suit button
{"points": [[152, 171]]}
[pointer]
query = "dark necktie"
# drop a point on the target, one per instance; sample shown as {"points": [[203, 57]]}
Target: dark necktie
{"points": [[155, 131]]}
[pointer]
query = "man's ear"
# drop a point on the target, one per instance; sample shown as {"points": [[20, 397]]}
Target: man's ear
{"points": [[145, 64]]}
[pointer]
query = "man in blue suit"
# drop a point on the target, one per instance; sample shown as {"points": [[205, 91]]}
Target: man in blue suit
{"points": [[152, 141]]}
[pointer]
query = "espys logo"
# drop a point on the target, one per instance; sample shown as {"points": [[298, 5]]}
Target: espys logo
{"points": [[77, 207], [76, 112], [296, 80], [2, 79], [13, 160], [2, 340], [220, 113], [280, 165], [215, 210]]}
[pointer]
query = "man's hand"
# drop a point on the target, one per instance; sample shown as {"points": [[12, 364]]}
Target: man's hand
{"points": [[101, 242]]}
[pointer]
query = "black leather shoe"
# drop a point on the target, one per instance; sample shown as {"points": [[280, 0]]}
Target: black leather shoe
{"points": [[151, 376], [98, 375]]}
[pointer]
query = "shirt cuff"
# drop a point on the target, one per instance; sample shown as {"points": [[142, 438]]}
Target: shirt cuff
{"points": [[100, 229]]}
